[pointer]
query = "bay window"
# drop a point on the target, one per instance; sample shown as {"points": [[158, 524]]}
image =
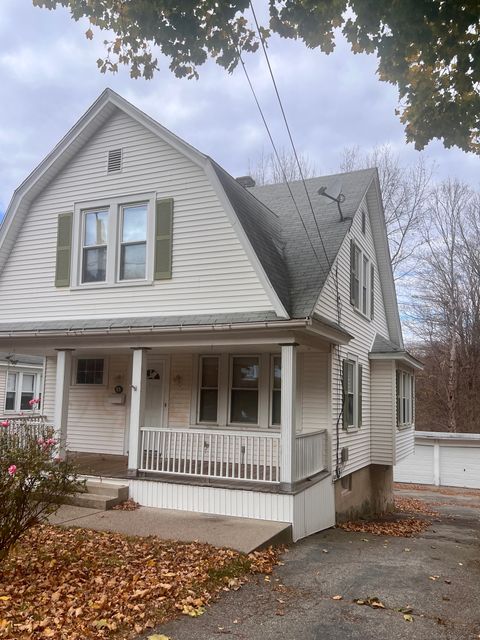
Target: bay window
{"points": [[405, 397]]}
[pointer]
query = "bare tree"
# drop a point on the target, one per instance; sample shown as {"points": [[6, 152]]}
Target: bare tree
{"points": [[405, 192], [267, 169], [447, 310]]}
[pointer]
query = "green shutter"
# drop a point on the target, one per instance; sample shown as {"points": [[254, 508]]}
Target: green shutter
{"points": [[397, 392], [360, 395], [345, 393], [163, 239], [64, 250], [352, 272], [372, 291]]}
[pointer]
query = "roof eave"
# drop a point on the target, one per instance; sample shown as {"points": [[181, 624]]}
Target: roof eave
{"points": [[399, 356]]}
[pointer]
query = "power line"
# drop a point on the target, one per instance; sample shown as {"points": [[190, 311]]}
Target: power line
{"points": [[289, 132], [278, 157]]}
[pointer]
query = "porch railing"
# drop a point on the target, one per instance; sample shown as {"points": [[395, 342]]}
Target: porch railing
{"points": [[224, 454], [310, 454], [228, 455], [24, 424]]}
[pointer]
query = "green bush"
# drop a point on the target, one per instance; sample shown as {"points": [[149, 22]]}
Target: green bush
{"points": [[33, 482]]}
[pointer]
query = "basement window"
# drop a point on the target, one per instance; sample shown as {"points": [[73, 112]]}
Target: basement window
{"points": [[114, 160]]}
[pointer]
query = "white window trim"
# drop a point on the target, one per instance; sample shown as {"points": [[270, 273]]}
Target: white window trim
{"points": [[199, 389], [37, 389], [356, 425], [401, 423], [74, 382], [114, 208], [363, 255]]}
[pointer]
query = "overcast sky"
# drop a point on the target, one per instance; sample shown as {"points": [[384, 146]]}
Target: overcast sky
{"points": [[49, 77]]}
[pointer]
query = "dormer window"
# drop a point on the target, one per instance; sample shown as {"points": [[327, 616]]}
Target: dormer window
{"points": [[114, 160]]}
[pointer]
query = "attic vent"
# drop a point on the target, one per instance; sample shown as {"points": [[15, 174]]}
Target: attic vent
{"points": [[114, 160]]}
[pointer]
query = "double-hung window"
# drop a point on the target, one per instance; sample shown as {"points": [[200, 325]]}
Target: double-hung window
{"points": [[276, 402], [22, 388], [133, 243], [94, 245], [405, 396], [244, 389], [362, 281], [352, 374], [208, 392]]}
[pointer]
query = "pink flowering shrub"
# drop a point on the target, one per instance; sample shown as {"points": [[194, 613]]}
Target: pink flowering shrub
{"points": [[33, 481]]}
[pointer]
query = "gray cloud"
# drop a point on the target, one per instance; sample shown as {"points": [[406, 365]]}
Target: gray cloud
{"points": [[48, 78]]}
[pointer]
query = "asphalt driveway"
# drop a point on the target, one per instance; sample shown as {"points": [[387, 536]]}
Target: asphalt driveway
{"points": [[436, 574]]}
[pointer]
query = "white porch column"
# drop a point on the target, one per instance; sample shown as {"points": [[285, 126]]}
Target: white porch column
{"points": [[137, 406], [62, 392], [288, 428]]}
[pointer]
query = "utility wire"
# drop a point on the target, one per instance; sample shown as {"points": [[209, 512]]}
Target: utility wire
{"points": [[262, 41], [278, 157]]}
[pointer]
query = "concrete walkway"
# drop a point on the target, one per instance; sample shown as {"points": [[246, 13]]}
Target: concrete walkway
{"points": [[436, 576], [242, 534]]}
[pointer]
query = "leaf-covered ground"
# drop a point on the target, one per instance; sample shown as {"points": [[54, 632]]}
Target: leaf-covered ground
{"points": [[404, 523], [78, 584]]}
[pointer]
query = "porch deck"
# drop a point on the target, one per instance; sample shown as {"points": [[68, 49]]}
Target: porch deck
{"points": [[99, 464]]}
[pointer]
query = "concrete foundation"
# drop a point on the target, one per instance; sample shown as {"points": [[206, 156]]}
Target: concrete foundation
{"points": [[366, 492]]}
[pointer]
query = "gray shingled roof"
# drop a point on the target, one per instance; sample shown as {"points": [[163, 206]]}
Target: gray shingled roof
{"points": [[135, 322], [382, 345], [278, 237], [264, 230], [21, 359]]}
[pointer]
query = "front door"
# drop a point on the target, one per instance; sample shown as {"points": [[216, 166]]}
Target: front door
{"points": [[155, 394]]}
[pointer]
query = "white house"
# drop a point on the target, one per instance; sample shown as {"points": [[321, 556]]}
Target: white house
{"points": [[212, 343]]}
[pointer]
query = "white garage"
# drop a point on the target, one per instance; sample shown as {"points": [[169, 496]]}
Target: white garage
{"points": [[447, 459]]}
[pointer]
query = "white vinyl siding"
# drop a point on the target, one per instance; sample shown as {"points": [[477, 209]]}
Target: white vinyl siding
{"points": [[383, 411], [211, 272], [364, 330]]}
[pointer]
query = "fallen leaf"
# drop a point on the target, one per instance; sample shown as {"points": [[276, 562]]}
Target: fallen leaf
{"points": [[337, 597], [158, 636], [408, 617]]}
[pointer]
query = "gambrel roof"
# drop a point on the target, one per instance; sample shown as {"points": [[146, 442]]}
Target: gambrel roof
{"points": [[265, 217]]}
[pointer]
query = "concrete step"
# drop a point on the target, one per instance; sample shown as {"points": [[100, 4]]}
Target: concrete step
{"points": [[108, 489], [100, 495], [94, 501]]}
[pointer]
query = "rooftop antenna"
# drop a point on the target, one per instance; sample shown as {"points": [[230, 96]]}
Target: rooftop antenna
{"points": [[339, 198]]}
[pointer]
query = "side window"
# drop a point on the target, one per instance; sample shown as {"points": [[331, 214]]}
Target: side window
{"points": [[361, 281], [244, 389], [352, 374], [208, 389], [94, 246], [276, 400], [22, 388]]}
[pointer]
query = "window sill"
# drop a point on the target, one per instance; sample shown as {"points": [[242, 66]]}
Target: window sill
{"points": [[352, 429], [361, 314], [405, 427], [110, 285]]}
